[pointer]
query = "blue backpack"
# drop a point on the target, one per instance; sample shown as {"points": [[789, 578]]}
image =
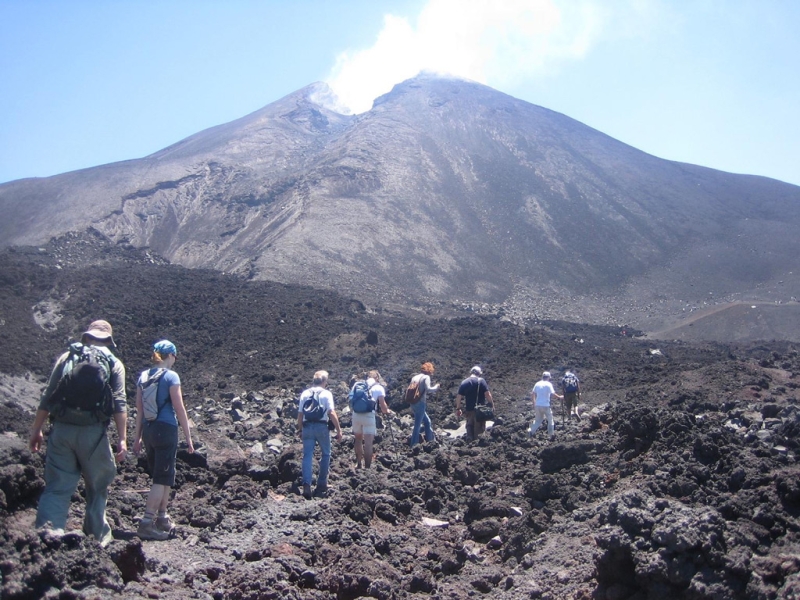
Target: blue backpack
{"points": [[361, 401], [312, 409]]}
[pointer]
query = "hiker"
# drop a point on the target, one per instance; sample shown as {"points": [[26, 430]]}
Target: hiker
{"points": [[364, 423], [87, 374], [571, 388], [542, 393], [474, 391], [315, 410], [159, 410], [421, 418]]}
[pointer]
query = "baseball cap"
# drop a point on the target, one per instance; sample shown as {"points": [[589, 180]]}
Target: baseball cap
{"points": [[476, 370], [165, 347], [100, 330], [546, 374]]}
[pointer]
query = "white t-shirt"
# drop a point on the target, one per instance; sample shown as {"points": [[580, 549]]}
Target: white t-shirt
{"points": [[542, 391], [325, 399], [376, 390]]}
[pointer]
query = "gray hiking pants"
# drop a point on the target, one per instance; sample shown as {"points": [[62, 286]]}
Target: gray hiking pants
{"points": [[72, 451]]}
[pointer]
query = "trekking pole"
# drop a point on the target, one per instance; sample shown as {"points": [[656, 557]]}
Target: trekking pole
{"points": [[391, 431]]}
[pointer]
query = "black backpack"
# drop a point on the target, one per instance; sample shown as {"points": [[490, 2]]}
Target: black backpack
{"points": [[84, 389], [361, 400], [312, 409], [570, 383]]}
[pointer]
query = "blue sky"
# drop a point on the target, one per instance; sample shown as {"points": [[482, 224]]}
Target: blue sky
{"points": [[710, 82]]}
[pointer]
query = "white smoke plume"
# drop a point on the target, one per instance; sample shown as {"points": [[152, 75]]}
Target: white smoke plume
{"points": [[494, 42]]}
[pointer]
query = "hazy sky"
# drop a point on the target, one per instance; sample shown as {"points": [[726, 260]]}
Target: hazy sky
{"points": [[710, 82]]}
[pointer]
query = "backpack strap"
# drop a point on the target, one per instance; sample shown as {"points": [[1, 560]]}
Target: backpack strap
{"points": [[477, 388], [314, 395], [158, 377], [109, 356]]}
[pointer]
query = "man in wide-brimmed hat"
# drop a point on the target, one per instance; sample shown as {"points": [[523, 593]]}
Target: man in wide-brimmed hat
{"points": [[78, 444]]}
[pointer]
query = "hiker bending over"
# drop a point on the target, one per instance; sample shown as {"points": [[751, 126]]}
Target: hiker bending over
{"points": [[366, 395], [85, 391], [159, 410], [315, 410], [542, 393], [421, 418], [474, 391], [571, 388]]}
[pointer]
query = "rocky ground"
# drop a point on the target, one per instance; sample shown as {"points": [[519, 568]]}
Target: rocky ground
{"points": [[681, 480]]}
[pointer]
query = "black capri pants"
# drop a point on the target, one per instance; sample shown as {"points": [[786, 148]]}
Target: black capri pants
{"points": [[161, 443]]}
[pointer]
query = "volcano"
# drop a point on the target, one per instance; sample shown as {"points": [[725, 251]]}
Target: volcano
{"points": [[445, 191]]}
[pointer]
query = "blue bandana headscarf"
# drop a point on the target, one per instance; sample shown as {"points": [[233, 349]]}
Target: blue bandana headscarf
{"points": [[165, 347]]}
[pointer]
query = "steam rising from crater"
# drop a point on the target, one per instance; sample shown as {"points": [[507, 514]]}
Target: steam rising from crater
{"points": [[491, 42]]}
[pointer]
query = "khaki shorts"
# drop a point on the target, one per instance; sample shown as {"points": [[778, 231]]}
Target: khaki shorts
{"points": [[570, 400], [364, 423]]}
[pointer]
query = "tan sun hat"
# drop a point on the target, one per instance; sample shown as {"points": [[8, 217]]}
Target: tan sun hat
{"points": [[100, 330]]}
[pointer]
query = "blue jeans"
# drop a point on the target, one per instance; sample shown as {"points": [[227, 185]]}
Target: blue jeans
{"points": [[72, 451], [313, 434], [421, 419]]}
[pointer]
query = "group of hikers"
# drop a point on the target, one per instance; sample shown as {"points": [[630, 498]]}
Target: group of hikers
{"points": [[317, 415], [86, 391]]}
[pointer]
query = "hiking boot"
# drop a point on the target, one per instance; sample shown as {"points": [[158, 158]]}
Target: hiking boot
{"points": [[148, 531], [321, 491], [165, 523], [307, 491]]}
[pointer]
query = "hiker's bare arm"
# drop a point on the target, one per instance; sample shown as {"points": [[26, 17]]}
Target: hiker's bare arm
{"points": [[458, 404], [121, 421], [36, 437], [489, 398], [137, 434], [335, 420], [176, 395], [382, 403]]}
